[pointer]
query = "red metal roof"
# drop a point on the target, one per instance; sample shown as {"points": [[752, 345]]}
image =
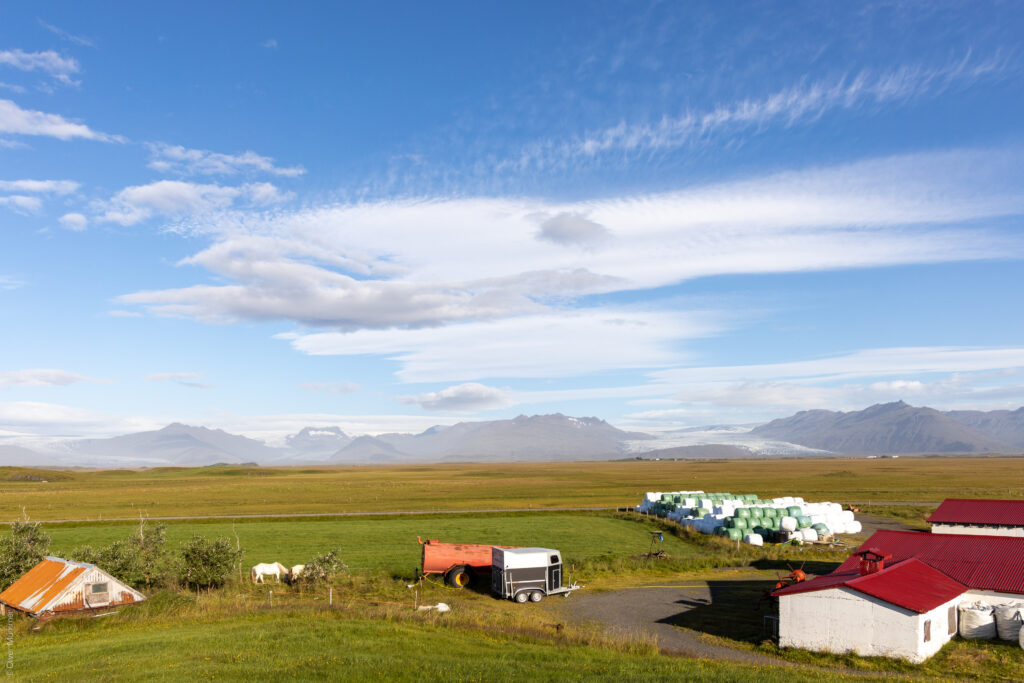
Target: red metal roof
{"points": [[911, 584], [967, 511], [993, 563], [42, 583]]}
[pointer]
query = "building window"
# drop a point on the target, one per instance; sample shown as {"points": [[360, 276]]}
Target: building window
{"points": [[952, 620], [98, 588], [927, 630]]}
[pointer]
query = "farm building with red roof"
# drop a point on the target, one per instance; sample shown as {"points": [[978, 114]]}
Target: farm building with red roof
{"points": [[55, 586], [897, 595], [979, 517]]}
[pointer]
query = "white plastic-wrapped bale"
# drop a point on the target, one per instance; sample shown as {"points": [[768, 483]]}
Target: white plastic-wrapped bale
{"points": [[788, 523], [854, 527], [1009, 618], [977, 620], [753, 539], [809, 535]]}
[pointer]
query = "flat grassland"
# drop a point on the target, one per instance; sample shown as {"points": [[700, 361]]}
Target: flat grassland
{"points": [[234, 491], [237, 634]]}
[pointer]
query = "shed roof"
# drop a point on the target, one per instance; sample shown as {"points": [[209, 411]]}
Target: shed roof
{"points": [[910, 584], [993, 563], [968, 511], [44, 584]]}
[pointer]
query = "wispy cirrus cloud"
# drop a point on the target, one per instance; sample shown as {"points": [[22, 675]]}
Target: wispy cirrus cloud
{"points": [[65, 35], [177, 159], [17, 121], [185, 379], [9, 283], [43, 377], [802, 103], [22, 203], [57, 66], [331, 387]]}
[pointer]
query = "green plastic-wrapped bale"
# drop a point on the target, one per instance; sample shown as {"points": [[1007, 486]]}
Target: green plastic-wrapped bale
{"points": [[735, 534], [743, 512], [740, 522], [803, 522], [795, 511], [756, 513]]}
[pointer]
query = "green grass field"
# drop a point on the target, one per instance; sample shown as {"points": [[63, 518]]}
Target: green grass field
{"points": [[237, 491], [389, 543], [235, 634], [319, 644]]}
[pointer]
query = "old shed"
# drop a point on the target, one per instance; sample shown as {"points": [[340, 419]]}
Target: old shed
{"points": [[56, 586]]}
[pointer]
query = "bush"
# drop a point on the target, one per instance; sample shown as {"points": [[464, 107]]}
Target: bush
{"points": [[323, 568], [206, 563], [23, 549], [139, 560]]}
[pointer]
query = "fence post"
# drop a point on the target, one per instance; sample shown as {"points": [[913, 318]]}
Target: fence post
{"points": [[330, 597], [271, 598]]}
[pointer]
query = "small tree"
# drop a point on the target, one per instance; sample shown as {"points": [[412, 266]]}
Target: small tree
{"points": [[206, 563], [323, 568], [23, 549], [140, 560]]}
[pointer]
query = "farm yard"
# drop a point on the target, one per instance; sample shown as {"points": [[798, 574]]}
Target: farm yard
{"points": [[695, 614]]}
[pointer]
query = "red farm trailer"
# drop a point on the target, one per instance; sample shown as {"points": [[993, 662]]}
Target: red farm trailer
{"points": [[458, 563]]}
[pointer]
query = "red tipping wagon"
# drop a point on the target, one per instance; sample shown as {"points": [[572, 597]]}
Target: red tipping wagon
{"points": [[459, 563]]}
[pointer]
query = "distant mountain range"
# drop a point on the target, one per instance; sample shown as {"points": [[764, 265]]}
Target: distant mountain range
{"points": [[901, 428], [895, 428]]}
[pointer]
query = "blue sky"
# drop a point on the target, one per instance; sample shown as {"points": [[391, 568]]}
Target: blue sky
{"points": [[398, 215]]}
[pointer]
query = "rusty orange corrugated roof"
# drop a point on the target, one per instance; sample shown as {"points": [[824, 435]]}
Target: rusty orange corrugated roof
{"points": [[42, 584]]}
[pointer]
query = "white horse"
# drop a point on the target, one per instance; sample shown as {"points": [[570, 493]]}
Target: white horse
{"points": [[295, 572], [274, 569]]}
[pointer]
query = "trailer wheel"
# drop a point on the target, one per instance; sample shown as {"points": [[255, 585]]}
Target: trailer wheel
{"points": [[522, 596], [536, 596], [458, 577]]}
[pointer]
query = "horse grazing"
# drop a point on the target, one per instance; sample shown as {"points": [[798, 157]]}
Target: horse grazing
{"points": [[276, 569], [295, 572]]}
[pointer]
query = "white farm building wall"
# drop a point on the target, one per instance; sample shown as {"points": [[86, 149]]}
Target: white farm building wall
{"points": [[978, 530], [842, 620]]}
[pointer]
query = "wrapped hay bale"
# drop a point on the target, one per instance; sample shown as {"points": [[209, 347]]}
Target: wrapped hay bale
{"points": [[1009, 618], [753, 539], [977, 621], [788, 523], [809, 535], [854, 527]]}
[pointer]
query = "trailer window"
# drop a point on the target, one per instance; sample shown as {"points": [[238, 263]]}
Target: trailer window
{"points": [[554, 559]]}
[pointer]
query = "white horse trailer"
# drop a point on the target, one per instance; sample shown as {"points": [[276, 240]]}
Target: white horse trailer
{"points": [[523, 574]]}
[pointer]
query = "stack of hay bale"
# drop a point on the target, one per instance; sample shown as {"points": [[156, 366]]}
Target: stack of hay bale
{"points": [[751, 519]]}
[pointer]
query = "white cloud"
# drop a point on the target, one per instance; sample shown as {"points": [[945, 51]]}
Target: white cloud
{"points": [[869, 363], [64, 35], [270, 43], [571, 229], [58, 67], [17, 121], [8, 283], [185, 379], [22, 203], [558, 344], [74, 221], [12, 87], [421, 262], [331, 387], [460, 398], [180, 199], [60, 187], [178, 159], [41, 377], [802, 103], [124, 314]]}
